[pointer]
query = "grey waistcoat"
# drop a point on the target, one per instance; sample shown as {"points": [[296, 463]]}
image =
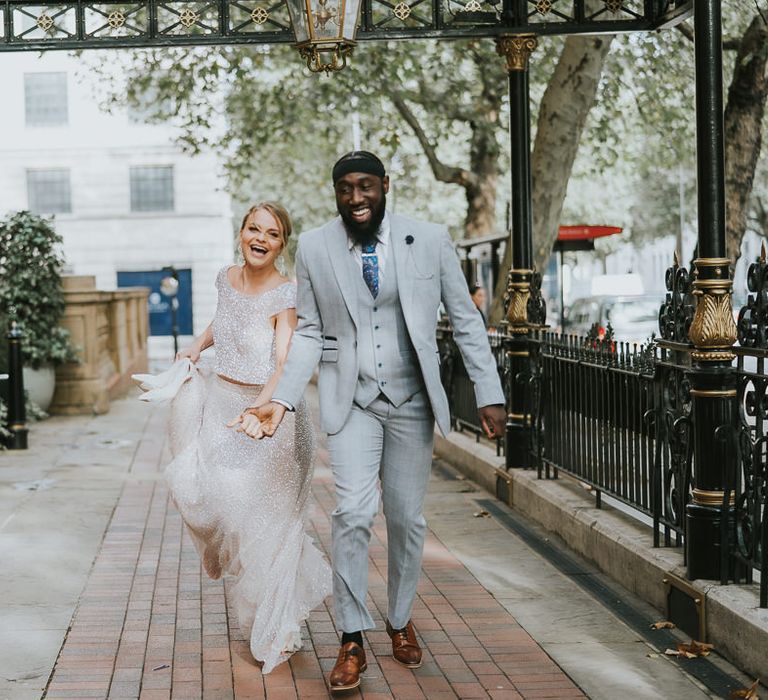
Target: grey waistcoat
{"points": [[386, 356]]}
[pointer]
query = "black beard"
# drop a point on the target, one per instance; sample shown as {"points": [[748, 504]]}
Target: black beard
{"points": [[365, 234]]}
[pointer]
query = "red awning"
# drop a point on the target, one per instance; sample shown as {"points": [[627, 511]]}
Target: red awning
{"points": [[586, 233]]}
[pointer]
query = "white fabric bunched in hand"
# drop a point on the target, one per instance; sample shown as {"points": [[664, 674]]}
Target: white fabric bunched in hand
{"points": [[164, 386]]}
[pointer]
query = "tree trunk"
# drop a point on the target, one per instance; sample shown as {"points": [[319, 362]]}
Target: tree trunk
{"points": [[481, 187], [563, 113], [743, 130], [481, 206], [565, 106]]}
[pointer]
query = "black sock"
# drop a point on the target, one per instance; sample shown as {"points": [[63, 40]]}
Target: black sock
{"points": [[356, 637]]}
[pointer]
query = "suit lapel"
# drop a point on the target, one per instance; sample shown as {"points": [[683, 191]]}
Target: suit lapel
{"points": [[338, 252], [401, 251]]}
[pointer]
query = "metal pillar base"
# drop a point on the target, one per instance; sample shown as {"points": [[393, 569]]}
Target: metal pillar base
{"points": [[518, 454], [704, 548], [17, 440]]}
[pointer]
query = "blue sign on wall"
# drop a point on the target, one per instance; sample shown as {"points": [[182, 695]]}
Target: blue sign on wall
{"points": [[159, 304]]}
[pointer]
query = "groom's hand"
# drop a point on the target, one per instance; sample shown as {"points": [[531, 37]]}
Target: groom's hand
{"points": [[261, 421], [494, 420]]}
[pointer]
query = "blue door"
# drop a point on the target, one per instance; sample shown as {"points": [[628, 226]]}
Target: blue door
{"points": [[160, 321]]}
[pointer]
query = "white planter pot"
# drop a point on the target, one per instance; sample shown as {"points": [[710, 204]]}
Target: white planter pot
{"points": [[39, 384]]}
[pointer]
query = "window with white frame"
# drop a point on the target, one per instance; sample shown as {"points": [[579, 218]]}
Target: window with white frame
{"points": [[152, 188], [48, 191], [45, 99]]}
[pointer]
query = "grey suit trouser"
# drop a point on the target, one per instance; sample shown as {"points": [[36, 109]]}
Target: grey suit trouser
{"points": [[382, 453]]}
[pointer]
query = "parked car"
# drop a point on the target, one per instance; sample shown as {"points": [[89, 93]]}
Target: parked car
{"points": [[633, 318]]}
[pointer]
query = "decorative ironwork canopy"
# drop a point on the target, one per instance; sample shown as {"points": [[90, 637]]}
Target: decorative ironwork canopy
{"points": [[110, 24]]}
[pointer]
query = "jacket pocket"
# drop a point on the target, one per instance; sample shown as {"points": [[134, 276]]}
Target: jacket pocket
{"points": [[330, 355]]}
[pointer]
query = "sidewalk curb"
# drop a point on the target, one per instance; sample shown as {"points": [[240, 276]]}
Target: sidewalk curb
{"points": [[619, 546]]}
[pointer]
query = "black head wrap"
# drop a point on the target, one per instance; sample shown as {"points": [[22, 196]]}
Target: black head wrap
{"points": [[358, 162]]}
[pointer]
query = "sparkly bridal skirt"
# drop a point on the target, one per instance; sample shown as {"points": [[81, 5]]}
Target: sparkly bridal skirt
{"points": [[245, 503]]}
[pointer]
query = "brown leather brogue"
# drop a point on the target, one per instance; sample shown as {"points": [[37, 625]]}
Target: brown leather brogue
{"points": [[405, 648], [349, 665]]}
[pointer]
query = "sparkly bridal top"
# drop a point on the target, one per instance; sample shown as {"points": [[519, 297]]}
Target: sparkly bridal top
{"points": [[243, 336]]}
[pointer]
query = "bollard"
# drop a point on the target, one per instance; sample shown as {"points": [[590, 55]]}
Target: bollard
{"points": [[17, 418]]}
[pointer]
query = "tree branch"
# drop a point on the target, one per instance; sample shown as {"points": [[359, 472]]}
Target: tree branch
{"points": [[441, 171], [427, 95], [760, 12]]}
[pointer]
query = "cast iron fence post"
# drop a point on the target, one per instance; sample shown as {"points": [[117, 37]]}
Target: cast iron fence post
{"points": [[709, 515], [17, 419], [523, 298]]}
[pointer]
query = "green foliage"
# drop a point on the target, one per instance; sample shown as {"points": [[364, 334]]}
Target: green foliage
{"points": [[30, 288], [641, 141], [279, 128]]}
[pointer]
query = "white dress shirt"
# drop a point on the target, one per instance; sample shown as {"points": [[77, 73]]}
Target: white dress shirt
{"points": [[382, 247]]}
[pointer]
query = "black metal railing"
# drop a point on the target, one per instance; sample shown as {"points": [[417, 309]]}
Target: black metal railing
{"points": [[459, 387], [619, 420], [597, 421], [749, 480]]}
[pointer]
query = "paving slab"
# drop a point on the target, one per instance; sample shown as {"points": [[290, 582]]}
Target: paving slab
{"points": [[56, 501]]}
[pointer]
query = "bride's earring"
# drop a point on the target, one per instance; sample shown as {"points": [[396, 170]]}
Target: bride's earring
{"points": [[280, 264]]}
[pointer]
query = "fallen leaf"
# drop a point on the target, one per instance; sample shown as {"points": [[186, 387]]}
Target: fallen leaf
{"points": [[748, 693], [652, 656], [694, 649], [680, 652], [482, 514], [663, 625]]}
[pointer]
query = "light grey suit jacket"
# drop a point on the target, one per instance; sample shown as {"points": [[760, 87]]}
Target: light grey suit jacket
{"points": [[428, 272]]}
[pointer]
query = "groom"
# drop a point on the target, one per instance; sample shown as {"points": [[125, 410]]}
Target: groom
{"points": [[369, 287]]}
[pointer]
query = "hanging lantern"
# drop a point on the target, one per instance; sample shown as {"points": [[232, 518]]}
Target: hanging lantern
{"points": [[325, 31]]}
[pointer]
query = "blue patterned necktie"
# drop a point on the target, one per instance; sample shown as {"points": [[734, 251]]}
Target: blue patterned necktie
{"points": [[371, 268]]}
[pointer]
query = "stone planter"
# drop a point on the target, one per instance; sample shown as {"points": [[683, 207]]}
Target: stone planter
{"points": [[40, 384]]}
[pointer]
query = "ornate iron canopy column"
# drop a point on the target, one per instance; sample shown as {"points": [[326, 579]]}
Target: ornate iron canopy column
{"points": [[709, 517], [524, 305]]}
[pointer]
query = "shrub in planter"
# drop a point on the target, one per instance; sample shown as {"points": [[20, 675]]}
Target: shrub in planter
{"points": [[30, 290]]}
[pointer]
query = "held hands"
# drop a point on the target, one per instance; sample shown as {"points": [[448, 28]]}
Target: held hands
{"points": [[494, 420], [260, 421]]}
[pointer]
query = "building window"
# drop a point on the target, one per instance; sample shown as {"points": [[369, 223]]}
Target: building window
{"points": [[45, 99], [48, 191], [152, 188]]}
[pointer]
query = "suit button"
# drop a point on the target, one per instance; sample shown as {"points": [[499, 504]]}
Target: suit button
{"points": [[375, 328], [379, 364], [375, 308]]}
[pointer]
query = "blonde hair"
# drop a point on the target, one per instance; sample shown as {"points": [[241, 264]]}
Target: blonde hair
{"points": [[278, 211]]}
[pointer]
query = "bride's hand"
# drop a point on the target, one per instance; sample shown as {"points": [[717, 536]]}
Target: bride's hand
{"points": [[249, 424], [192, 352], [259, 422]]}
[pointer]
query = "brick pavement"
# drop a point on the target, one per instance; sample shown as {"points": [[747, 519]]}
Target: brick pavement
{"points": [[151, 625]]}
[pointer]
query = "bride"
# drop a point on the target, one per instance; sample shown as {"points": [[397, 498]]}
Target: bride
{"points": [[245, 501]]}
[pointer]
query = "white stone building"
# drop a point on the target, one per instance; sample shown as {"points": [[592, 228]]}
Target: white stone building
{"points": [[126, 199]]}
